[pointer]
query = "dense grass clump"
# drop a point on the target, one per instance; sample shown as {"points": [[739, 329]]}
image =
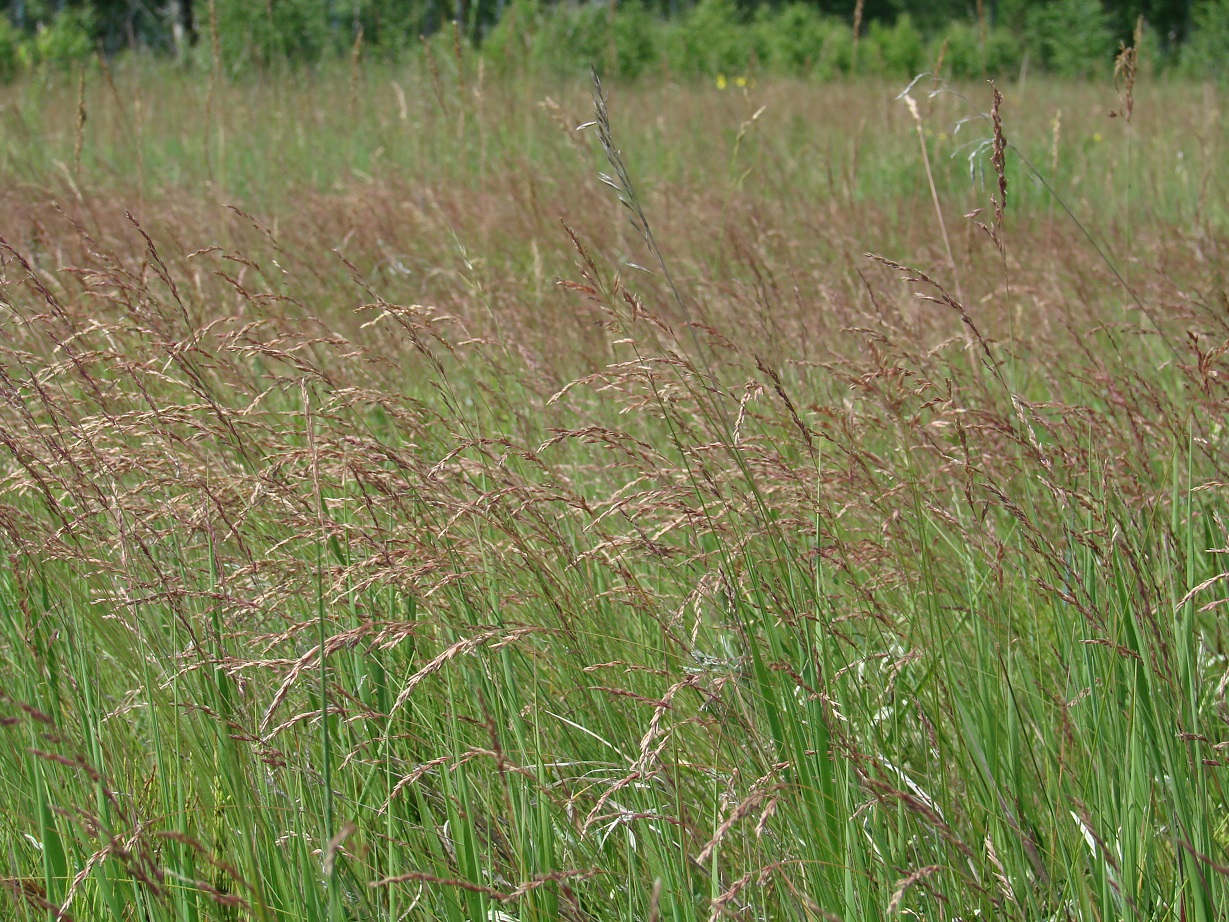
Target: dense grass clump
{"points": [[394, 529]]}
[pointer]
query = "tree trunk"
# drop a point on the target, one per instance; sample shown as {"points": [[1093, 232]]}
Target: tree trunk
{"points": [[183, 25]]}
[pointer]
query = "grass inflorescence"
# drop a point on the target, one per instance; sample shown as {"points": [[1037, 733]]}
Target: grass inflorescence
{"points": [[413, 536]]}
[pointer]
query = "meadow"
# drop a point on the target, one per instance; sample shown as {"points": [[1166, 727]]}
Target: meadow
{"points": [[773, 500]]}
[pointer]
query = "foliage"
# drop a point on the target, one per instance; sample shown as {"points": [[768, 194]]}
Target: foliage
{"points": [[1207, 53], [635, 38], [509, 46], [966, 56], [797, 39], [66, 40], [681, 37], [710, 38], [714, 38], [897, 49], [1072, 37], [259, 34], [10, 51], [565, 39]]}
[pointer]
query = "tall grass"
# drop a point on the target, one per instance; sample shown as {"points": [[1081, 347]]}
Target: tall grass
{"points": [[356, 569]]}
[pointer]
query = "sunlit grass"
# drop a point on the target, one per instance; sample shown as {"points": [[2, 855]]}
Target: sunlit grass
{"points": [[357, 567]]}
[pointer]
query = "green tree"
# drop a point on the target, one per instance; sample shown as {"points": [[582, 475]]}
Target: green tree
{"points": [[1072, 37], [1207, 53]]}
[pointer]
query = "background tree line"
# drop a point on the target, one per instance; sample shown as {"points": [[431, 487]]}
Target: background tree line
{"points": [[635, 36]]}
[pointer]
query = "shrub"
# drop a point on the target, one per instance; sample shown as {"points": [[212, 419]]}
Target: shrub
{"points": [[260, 34], [1004, 52], [966, 58], [67, 39], [898, 50], [567, 39], [508, 45], [792, 39], [710, 39], [636, 32], [1072, 37], [960, 45], [571, 38], [10, 50], [389, 26], [837, 55], [1068, 37], [1207, 52]]}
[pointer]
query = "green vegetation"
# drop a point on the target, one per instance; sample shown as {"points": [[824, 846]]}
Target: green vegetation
{"points": [[818, 39], [401, 523]]}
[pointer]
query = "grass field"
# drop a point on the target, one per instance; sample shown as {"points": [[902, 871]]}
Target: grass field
{"points": [[397, 525]]}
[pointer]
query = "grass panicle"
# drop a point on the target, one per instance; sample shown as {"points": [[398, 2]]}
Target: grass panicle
{"points": [[354, 570]]}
